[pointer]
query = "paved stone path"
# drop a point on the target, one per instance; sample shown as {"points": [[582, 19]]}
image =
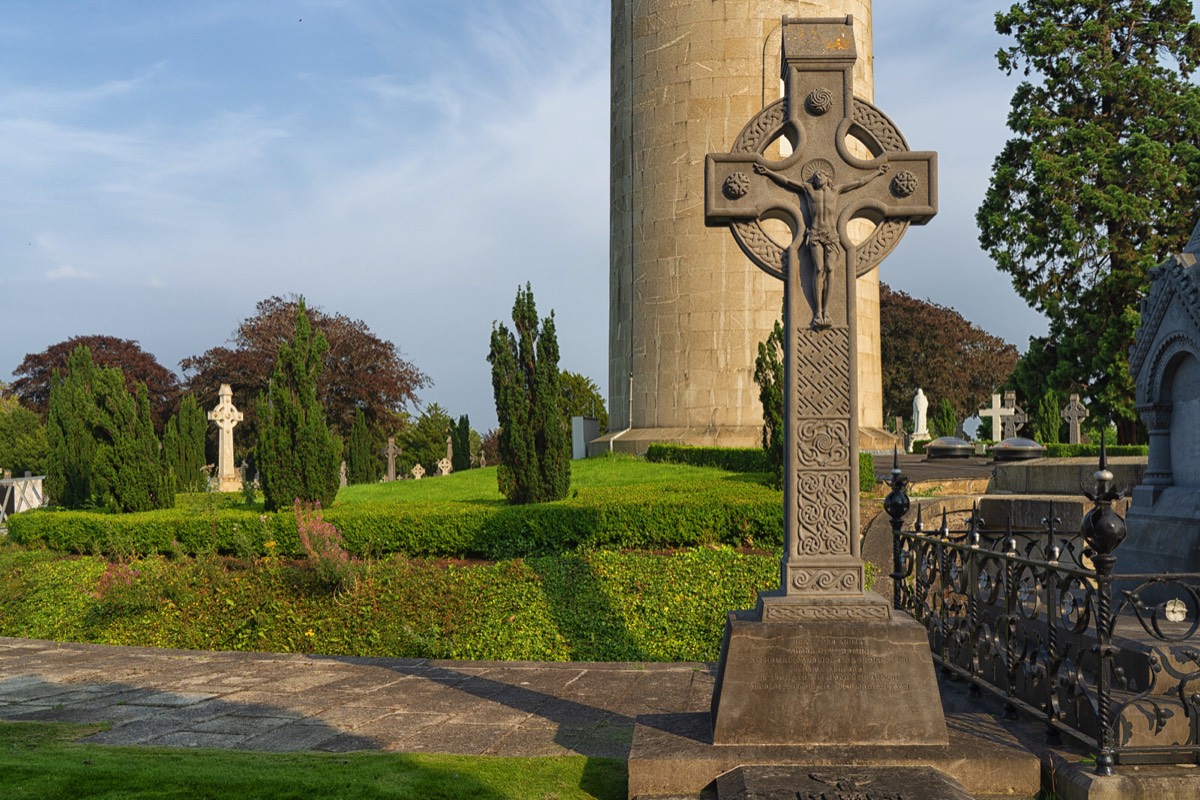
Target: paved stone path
{"points": [[279, 702]]}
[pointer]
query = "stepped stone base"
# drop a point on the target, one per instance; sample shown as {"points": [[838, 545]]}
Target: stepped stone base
{"points": [[824, 678]]}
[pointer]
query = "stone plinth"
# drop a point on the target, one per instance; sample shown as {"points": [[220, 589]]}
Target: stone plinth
{"points": [[808, 783], [826, 680]]}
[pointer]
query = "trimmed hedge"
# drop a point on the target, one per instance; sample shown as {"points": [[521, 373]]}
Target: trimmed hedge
{"points": [[655, 516], [1093, 450], [731, 459]]}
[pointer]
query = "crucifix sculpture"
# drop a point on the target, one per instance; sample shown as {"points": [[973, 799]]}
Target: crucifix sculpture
{"points": [[815, 656], [817, 191]]}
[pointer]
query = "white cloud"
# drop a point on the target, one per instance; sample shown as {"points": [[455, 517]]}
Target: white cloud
{"points": [[66, 272]]}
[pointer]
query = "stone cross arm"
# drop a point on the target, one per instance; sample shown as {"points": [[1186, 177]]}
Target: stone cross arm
{"points": [[745, 186]]}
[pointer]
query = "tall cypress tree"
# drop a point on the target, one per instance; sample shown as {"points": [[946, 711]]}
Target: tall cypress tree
{"points": [[534, 447], [298, 457], [461, 439], [361, 463], [183, 445], [69, 432], [768, 374]]}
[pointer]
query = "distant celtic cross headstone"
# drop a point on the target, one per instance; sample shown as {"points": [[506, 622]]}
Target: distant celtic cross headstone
{"points": [[1016, 420], [997, 413], [449, 448], [226, 416], [1074, 413], [444, 467], [769, 687], [418, 472], [391, 451]]}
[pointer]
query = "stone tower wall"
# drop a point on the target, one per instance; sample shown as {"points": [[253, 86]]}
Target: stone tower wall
{"points": [[687, 309]]}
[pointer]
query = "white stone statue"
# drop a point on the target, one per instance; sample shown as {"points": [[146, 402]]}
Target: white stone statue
{"points": [[919, 408]]}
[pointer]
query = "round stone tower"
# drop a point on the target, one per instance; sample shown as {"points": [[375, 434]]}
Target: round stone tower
{"points": [[686, 308]]}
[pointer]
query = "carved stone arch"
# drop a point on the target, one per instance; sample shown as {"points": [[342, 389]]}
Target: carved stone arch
{"points": [[1162, 364]]}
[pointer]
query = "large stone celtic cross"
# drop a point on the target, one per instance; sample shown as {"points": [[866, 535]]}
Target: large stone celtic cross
{"points": [[817, 191]]}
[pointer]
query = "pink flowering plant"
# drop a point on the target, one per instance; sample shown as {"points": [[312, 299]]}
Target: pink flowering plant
{"points": [[324, 546]]}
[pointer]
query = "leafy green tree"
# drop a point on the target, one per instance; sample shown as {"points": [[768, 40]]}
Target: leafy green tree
{"points": [[944, 421], [362, 465], [535, 449], [581, 398], [298, 458], [925, 345], [1100, 181], [23, 446], [183, 446], [768, 373], [461, 435], [103, 451]]}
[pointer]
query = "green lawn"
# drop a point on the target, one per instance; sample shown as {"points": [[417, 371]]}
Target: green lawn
{"points": [[41, 761], [479, 485]]}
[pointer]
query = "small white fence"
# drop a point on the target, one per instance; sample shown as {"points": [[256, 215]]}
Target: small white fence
{"points": [[20, 494]]}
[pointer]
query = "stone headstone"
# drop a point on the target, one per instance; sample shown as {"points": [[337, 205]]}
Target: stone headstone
{"points": [[444, 467], [343, 478], [997, 413], [920, 407], [482, 460], [817, 658], [391, 451], [1074, 413], [1165, 362], [418, 472], [227, 417], [1016, 419], [450, 448]]}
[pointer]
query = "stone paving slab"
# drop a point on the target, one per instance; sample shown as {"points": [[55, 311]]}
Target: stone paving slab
{"points": [[284, 702]]}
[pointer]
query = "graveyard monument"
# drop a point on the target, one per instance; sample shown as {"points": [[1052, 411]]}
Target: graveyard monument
{"points": [[818, 658], [226, 416], [1074, 413], [391, 451], [1165, 363]]}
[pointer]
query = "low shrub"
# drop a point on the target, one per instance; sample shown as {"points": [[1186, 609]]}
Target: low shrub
{"points": [[733, 459], [646, 516]]}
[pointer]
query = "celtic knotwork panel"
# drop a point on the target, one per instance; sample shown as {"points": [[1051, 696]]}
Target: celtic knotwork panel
{"points": [[796, 613], [823, 373], [824, 442], [828, 580], [823, 513]]}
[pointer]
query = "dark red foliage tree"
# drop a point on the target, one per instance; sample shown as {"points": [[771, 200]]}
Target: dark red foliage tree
{"points": [[32, 386], [931, 347], [360, 369]]}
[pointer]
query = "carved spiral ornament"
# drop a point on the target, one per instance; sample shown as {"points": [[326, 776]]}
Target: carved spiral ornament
{"points": [[819, 101]]}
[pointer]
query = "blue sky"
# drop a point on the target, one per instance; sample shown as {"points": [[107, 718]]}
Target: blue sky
{"points": [[409, 164]]}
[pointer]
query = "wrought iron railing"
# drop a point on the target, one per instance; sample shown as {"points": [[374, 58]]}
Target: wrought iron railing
{"points": [[1043, 620]]}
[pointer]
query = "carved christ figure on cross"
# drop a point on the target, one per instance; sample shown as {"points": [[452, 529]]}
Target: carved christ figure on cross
{"points": [[821, 235]]}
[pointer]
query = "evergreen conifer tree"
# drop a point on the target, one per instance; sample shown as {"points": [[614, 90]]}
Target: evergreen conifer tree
{"points": [[183, 445], [1047, 422], [535, 451], [944, 421], [461, 440], [768, 374], [103, 450], [298, 458], [361, 463]]}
